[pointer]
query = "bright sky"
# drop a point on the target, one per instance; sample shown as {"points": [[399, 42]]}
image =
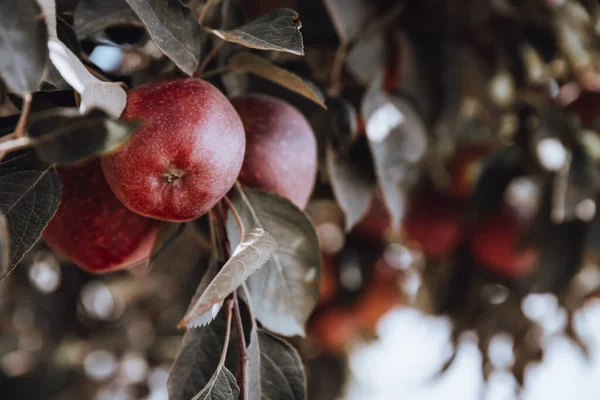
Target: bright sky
{"points": [[413, 346]]}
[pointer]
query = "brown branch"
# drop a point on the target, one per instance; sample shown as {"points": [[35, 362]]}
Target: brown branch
{"points": [[236, 215], [239, 328]]}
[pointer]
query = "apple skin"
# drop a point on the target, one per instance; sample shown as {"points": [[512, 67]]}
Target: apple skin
{"points": [[377, 222], [381, 295], [281, 149], [185, 158], [93, 228], [334, 328], [495, 246], [433, 221]]}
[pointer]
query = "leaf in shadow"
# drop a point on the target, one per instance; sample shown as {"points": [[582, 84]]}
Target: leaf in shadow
{"points": [[256, 65], [199, 370], [277, 30], [275, 370], [256, 248], [174, 29], [92, 16], [4, 246], [63, 136], [29, 198], [398, 140], [284, 292], [22, 45]]}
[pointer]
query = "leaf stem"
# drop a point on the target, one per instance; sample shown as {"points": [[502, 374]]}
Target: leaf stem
{"points": [[209, 57], [239, 328], [236, 215], [20, 129], [215, 71], [238, 186], [14, 144]]}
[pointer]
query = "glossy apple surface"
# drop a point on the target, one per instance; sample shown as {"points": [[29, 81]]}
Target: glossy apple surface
{"points": [[93, 228], [281, 149], [185, 157]]}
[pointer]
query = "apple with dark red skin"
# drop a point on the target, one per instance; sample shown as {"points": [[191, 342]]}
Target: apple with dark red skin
{"points": [[334, 328], [185, 157], [377, 222], [433, 221], [329, 285], [93, 228], [495, 245], [281, 149]]}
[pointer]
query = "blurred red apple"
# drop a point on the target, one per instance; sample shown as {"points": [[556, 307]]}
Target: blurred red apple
{"points": [[281, 149], [93, 228], [495, 245], [433, 222], [379, 296], [334, 328], [187, 155]]}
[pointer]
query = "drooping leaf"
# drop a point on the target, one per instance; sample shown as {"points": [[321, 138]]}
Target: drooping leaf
{"points": [[22, 45], [4, 246], [398, 140], [63, 136], [174, 29], [92, 16], [277, 30], [200, 356], [348, 16], [256, 65], [29, 197], [285, 291], [108, 96], [352, 181], [255, 249], [222, 386], [275, 370]]}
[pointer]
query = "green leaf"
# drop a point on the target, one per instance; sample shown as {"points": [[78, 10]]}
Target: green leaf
{"points": [[277, 30], [92, 16], [29, 198], [174, 29], [284, 292], [22, 45], [63, 136]]}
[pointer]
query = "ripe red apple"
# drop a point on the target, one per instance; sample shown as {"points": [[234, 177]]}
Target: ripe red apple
{"points": [[281, 149], [329, 286], [495, 245], [93, 228], [379, 296], [377, 221], [465, 168], [334, 328], [433, 221], [185, 158]]}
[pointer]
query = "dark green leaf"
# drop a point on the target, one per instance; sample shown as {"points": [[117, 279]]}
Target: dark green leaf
{"points": [[63, 136], [275, 370], [285, 291], [199, 358], [95, 15], [277, 30], [251, 254], [222, 386], [22, 45], [174, 29], [256, 65], [29, 198]]}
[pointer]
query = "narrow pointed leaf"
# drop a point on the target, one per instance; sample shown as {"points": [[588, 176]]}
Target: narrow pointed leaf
{"points": [[255, 249], [277, 30], [23, 46], [174, 29], [256, 65], [94, 15]]}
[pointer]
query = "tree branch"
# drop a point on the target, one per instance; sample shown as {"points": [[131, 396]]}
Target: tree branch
{"points": [[243, 350]]}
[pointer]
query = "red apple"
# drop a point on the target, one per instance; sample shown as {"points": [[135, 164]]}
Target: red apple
{"points": [[185, 158], [380, 296], [433, 221], [281, 149], [495, 245], [334, 328], [93, 228], [377, 221], [329, 286]]}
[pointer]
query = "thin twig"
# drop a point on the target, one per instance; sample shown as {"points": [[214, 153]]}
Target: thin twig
{"points": [[236, 215], [246, 201], [335, 80], [15, 144], [209, 57], [215, 71], [242, 347], [559, 194], [20, 129]]}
